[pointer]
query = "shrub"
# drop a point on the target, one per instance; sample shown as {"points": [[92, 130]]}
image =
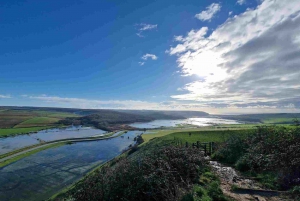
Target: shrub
{"points": [[242, 164], [231, 151], [188, 197], [162, 174], [199, 191], [269, 149], [133, 149], [215, 192]]}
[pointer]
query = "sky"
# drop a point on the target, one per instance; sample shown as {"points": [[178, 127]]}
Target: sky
{"points": [[231, 56]]}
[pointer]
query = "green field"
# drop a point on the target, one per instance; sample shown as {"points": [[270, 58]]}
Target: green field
{"points": [[278, 120], [16, 121], [5, 132], [201, 135], [37, 121], [160, 133]]}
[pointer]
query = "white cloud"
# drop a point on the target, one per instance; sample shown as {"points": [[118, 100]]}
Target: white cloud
{"points": [[5, 96], [151, 56], [230, 13], [141, 63], [250, 60], [144, 27], [241, 2], [209, 13]]}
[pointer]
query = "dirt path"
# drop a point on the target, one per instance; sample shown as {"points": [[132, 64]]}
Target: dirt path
{"points": [[247, 188]]}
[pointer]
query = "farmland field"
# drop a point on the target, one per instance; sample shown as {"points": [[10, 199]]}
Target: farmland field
{"points": [[202, 135], [17, 121], [5, 132], [218, 129], [37, 121]]}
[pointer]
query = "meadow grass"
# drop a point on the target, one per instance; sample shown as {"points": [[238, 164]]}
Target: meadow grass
{"points": [[208, 136], [28, 118], [37, 121], [6, 132], [219, 129], [278, 120]]}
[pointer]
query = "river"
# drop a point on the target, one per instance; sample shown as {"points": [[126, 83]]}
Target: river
{"points": [[16, 142], [190, 121], [39, 176]]}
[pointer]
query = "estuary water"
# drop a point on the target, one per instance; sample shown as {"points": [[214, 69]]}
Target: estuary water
{"points": [[39, 176], [12, 143], [189, 121]]}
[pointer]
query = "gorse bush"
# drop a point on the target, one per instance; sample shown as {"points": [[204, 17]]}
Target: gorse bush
{"points": [[269, 149], [163, 174], [234, 148]]}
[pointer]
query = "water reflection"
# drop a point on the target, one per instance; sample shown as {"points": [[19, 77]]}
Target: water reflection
{"points": [[43, 174], [12, 143], [190, 121]]}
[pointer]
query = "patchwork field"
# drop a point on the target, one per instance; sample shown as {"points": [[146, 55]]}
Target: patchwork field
{"points": [[37, 121], [13, 121]]}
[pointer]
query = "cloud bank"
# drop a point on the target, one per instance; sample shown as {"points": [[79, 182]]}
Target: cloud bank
{"points": [[252, 60]]}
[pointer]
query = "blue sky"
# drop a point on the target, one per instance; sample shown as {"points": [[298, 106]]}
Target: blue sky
{"points": [[146, 55]]}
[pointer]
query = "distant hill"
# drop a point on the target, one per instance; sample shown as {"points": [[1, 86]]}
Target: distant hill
{"points": [[108, 120], [156, 114], [161, 114], [100, 118], [115, 120]]}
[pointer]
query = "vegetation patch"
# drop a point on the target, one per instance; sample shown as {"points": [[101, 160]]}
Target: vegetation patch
{"points": [[204, 134], [6, 132], [37, 121], [271, 154]]}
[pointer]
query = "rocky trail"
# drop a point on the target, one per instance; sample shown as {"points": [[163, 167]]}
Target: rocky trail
{"points": [[245, 189]]}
